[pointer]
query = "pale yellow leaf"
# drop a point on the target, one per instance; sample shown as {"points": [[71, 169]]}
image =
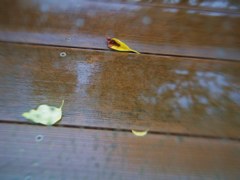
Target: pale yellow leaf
{"points": [[44, 114], [139, 133]]}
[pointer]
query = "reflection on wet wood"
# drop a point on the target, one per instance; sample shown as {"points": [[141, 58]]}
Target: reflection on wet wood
{"points": [[95, 154], [150, 29], [213, 5], [120, 90], [189, 105]]}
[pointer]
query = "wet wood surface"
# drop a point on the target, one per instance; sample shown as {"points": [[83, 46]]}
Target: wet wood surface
{"points": [[184, 88], [122, 91], [149, 28], [68, 153]]}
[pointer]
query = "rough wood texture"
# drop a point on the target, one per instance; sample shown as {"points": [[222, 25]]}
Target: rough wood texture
{"points": [[32, 152], [121, 90], [191, 106], [147, 27]]}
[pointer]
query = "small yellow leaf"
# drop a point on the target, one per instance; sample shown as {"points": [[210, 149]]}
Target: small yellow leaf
{"points": [[139, 133], [45, 114], [116, 44]]}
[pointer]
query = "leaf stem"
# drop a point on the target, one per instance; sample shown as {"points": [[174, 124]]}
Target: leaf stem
{"points": [[135, 51], [62, 104]]}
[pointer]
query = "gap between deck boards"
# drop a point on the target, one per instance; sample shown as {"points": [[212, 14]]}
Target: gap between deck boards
{"points": [[108, 50], [171, 134]]}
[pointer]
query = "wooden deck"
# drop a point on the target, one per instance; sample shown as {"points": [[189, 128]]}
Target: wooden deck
{"points": [[184, 87]]}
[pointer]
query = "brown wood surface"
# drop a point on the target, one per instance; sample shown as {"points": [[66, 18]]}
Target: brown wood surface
{"points": [[147, 27], [184, 88], [121, 90], [67, 153]]}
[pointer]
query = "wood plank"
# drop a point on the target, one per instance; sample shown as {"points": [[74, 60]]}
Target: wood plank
{"points": [[232, 6], [121, 90], [149, 29], [213, 5], [34, 152]]}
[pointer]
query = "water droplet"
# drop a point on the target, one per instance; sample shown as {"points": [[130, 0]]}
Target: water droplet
{"points": [[80, 22], [63, 54], [35, 164], [146, 20], [28, 177], [68, 38], [171, 1], [181, 72], [179, 139], [39, 138], [44, 8], [193, 2]]}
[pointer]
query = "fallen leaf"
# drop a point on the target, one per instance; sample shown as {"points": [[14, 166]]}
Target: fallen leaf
{"points": [[139, 133], [116, 44], [45, 114]]}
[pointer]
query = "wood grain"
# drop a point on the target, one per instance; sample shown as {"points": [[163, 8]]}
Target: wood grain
{"points": [[213, 5], [184, 88], [121, 90], [63, 153], [147, 28]]}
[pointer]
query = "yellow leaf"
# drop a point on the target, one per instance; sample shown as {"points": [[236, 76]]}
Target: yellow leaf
{"points": [[45, 114], [139, 133], [116, 44]]}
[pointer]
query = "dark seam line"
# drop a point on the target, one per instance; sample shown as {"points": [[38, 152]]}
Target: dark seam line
{"points": [[172, 134], [108, 50]]}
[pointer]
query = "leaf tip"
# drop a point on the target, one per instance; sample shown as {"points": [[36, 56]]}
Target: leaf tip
{"points": [[25, 114]]}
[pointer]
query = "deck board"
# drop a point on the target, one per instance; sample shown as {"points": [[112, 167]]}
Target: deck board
{"points": [[96, 154], [148, 29], [184, 89], [213, 5], [122, 91]]}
